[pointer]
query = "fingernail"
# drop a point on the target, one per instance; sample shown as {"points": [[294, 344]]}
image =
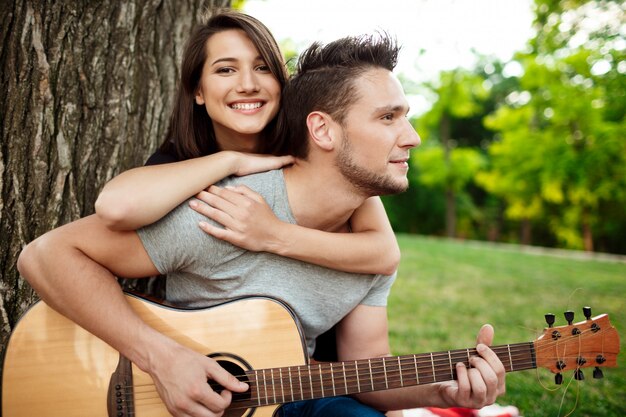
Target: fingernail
{"points": [[202, 224], [480, 348], [193, 203]]}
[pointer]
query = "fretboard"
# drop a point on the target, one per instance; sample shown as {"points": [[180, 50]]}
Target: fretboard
{"points": [[329, 379]]}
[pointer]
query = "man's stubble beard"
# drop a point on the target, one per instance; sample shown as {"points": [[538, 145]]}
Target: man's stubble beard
{"points": [[366, 181]]}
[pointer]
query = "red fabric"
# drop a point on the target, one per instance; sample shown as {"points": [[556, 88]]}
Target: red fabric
{"points": [[453, 412]]}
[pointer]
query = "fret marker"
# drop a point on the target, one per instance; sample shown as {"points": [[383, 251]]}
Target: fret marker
{"points": [[273, 386], [332, 378], [345, 378], [371, 375], [321, 380], [400, 369], [385, 372], [301, 389], [432, 363], [417, 378], [451, 367], [356, 369], [311, 382], [267, 400], [290, 384], [510, 358], [258, 388], [282, 389]]}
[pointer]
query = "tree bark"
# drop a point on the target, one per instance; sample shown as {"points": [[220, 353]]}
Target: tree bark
{"points": [[87, 90]]}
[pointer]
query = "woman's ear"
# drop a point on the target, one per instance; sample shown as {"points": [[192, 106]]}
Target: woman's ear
{"points": [[199, 97], [320, 129]]}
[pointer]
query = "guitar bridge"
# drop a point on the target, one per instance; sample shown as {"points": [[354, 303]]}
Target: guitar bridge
{"points": [[120, 396]]}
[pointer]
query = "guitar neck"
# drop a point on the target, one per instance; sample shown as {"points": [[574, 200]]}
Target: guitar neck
{"points": [[328, 379]]}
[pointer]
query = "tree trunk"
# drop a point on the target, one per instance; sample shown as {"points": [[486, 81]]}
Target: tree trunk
{"points": [[87, 90], [526, 232], [587, 232]]}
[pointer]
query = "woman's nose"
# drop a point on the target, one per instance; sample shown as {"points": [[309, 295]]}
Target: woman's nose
{"points": [[248, 82]]}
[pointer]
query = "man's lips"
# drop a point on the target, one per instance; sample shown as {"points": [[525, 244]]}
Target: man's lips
{"points": [[403, 160]]}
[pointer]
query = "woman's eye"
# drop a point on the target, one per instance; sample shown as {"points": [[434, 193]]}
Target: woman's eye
{"points": [[225, 70], [263, 68]]}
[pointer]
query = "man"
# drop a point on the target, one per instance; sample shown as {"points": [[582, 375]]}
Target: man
{"points": [[345, 113]]}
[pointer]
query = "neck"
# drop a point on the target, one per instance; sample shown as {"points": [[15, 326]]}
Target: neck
{"points": [[230, 141], [319, 197], [296, 383]]}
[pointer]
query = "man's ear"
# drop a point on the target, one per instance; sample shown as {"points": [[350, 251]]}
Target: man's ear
{"points": [[320, 129]]}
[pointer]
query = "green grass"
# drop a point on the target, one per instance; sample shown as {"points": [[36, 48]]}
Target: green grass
{"points": [[446, 290]]}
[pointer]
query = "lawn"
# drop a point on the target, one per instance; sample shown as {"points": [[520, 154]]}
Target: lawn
{"points": [[446, 290]]}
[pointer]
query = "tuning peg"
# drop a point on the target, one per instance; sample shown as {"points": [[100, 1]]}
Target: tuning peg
{"points": [[550, 319], [587, 312], [597, 373], [578, 375], [558, 378], [569, 316]]}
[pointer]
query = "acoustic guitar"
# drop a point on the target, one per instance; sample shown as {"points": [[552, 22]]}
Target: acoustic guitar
{"points": [[53, 367]]}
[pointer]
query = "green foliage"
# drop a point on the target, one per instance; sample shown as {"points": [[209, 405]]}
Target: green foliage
{"points": [[434, 172], [237, 4], [459, 93], [562, 156]]}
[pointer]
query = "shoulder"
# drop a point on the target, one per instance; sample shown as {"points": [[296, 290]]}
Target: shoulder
{"points": [[268, 182]]}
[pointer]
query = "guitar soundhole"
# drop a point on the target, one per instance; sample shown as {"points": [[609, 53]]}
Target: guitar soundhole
{"points": [[235, 366]]}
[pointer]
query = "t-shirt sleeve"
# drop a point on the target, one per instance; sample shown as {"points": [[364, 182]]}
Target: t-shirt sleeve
{"points": [[175, 242], [378, 294]]}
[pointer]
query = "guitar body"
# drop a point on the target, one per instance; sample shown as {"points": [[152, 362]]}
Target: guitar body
{"points": [[53, 367]]}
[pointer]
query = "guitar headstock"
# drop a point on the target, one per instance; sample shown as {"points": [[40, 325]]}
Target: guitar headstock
{"points": [[590, 343]]}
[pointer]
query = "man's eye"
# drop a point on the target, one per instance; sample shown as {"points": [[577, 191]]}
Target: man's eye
{"points": [[388, 116]]}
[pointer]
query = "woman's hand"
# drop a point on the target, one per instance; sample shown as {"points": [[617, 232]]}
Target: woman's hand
{"points": [[248, 163], [247, 220]]}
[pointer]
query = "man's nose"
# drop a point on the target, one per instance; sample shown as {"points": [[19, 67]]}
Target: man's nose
{"points": [[410, 137]]}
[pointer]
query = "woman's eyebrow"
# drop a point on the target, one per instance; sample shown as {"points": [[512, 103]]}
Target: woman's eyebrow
{"points": [[233, 59], [225, 59]]}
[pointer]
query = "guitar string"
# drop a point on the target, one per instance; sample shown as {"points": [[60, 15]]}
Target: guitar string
{"points": [[550, 344], [571, 379], [376, 378], [410, 359], [439, 365], [391, 376]]}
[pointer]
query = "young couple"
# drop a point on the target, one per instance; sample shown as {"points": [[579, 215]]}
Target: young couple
{"points": [[306, 228]]}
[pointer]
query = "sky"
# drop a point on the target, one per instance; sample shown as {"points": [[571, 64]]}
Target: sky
{"points": [[444, 31]]}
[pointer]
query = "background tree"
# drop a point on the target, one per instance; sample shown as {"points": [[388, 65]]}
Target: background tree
{"points": [[87, 90], [561, 162], [460, 94]]}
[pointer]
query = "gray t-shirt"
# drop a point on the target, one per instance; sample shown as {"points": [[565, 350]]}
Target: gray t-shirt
{"points": [[204, 271]]}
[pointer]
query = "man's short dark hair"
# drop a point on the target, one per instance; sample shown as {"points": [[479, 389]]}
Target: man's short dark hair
{"points": [[325, 81]]}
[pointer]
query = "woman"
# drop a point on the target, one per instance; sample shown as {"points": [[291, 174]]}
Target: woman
{"points": [[231, 78]]}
